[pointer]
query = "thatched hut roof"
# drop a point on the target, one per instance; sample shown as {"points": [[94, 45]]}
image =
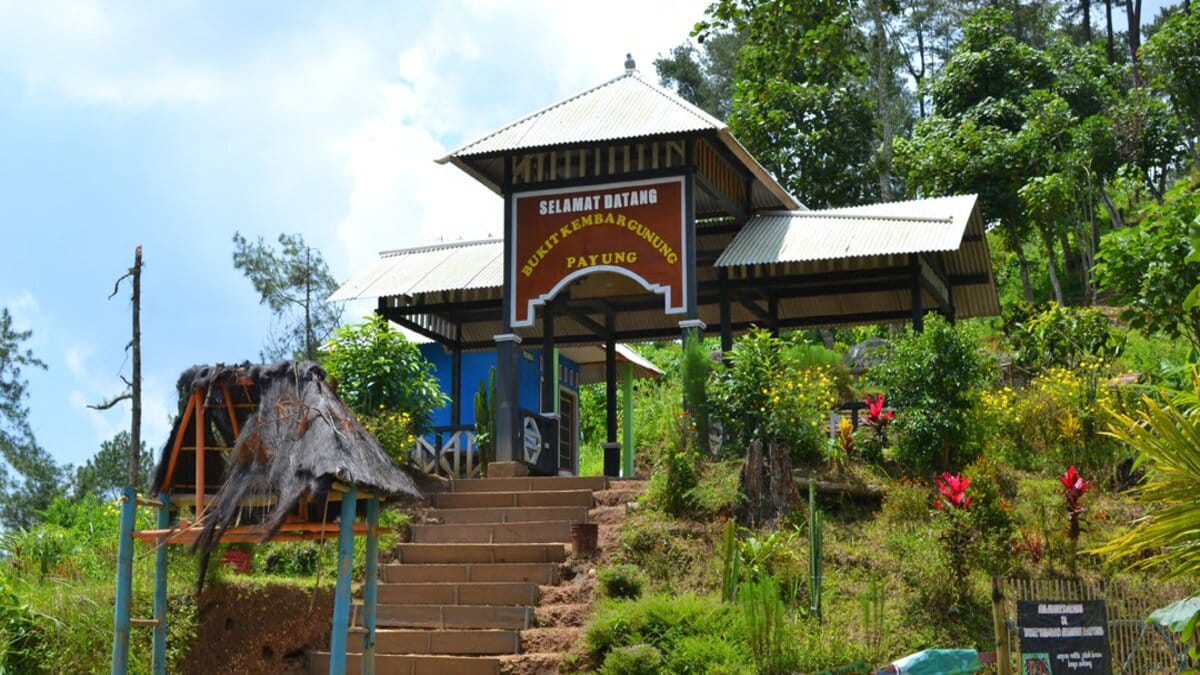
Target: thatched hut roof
{"points": [[294, 440]]}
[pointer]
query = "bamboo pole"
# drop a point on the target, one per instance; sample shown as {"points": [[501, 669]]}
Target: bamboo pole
{"points": [[1003, 655], [341, 597], [371, 587]]}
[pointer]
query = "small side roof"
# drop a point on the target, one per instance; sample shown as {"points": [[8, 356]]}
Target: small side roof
{"points": [[627, 107], [428, 269]]}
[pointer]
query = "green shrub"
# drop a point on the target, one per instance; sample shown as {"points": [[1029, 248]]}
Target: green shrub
{"points": [[718, 491], [774, 394], [764, 619], [676, 473], [703, 655], [933, 380], [993, 489], [622, 582], [1066, 337], [20, 635], [640, 659], [659, 620], [906, 503], [377, 369]]}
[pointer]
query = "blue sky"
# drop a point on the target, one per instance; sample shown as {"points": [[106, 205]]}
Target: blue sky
{"points": [[175, 124]]}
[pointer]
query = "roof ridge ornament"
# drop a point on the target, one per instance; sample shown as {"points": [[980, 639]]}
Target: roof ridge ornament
{"points": [[630, 65]]}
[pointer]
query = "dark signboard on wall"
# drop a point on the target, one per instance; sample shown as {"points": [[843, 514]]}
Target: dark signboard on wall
{"points": [[1063, 636], [635, 229]]}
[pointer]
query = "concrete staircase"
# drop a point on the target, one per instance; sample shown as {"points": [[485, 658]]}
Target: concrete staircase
{"points": [[462, 598]]}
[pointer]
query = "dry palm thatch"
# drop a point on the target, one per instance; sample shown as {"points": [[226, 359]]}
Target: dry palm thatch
{"points": [[293, 445]]}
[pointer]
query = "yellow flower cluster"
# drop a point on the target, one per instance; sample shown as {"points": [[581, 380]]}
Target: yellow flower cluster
{"points": [[801, 399], [393, 430]]}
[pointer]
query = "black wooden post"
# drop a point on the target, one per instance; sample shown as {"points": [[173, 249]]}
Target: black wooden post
{"points": [[918, 312], [456, 384], [773, 312], [612, 448], [508, 347], [726, 310], [549, 385]]}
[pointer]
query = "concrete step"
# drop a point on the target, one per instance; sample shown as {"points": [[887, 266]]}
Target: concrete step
{"points": [[491, 594], [530, 484], [442, 642], [515, 514], [391, 664], [480, 553], [558, 532], [536, 573], [500, 500], [441, 617]]}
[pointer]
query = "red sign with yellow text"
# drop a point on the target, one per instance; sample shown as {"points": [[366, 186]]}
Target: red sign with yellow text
{"points": [[635, 229]]}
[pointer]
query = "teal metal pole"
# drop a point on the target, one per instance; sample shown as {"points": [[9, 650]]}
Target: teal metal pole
{"points": [[158, 661], [120, 650], [627, 423], [341, 596], [371, 589]]}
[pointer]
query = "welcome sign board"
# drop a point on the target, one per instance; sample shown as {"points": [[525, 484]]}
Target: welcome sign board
{"points": [[636, 229]]}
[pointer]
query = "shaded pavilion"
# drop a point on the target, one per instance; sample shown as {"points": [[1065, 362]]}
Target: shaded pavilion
{"points": [[632, 215]]}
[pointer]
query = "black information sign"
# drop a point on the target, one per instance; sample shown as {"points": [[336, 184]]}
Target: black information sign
{"points": [[1063, 636]]}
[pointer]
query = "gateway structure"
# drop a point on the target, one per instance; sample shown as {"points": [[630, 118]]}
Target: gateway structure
{"points": [[631, 215]]}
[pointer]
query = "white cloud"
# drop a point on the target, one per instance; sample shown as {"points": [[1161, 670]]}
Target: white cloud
{"points": [[23, 307]]}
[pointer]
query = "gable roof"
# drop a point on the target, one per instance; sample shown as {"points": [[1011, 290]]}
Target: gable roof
{"points": [[627, 107]]}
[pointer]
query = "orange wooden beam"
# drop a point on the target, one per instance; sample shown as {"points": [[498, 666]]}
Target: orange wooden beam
{"points": [[175, 447], [254, 534]]}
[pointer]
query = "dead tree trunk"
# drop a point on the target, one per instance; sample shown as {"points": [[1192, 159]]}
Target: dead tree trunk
{"points": [[767, 484], [135, 346]]}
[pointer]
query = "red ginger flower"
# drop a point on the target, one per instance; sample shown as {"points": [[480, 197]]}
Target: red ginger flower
{"points": [[876, 417], [1074, 486], [954, 490]]}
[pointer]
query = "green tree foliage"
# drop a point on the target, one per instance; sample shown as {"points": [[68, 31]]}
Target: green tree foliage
{"points": [[1060, 336], [933, 380], [378, 370], [1145, 267], [703, 76], [1172, 56], [29, 478], [104, 474], [801, 102], [294, 282]]}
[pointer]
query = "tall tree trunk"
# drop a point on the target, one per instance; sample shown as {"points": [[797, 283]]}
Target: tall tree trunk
{"points": [[883, 110], [1070, 265], [1133, 15], [1051, 268], [1014, 240], [1113, 214], [310, 351], [1087, 21], [1111, 43]]}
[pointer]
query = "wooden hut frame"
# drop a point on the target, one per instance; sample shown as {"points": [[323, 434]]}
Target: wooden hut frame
{"points": [[191, 436]]}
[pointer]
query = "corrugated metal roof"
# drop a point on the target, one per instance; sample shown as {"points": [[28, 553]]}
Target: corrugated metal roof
{"points": [[623, 108], [427, 269], [919, 226]]}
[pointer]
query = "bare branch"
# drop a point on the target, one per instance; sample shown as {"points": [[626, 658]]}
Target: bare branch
{"points": [[117, 283], [112, 402], [126, 381]]}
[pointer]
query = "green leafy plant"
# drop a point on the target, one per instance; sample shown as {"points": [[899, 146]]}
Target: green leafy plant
{"points": [[620, 581], [730, 562], [871, 600], [694, 370], [485, 419], [957, 535], [376, 369], [816, 553], [933, 380], [640, 659], [765, 620]]}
